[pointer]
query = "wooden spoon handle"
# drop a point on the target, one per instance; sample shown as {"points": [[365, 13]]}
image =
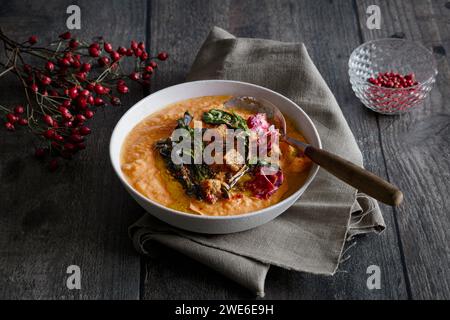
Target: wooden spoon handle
{"points": [[356, 176]]}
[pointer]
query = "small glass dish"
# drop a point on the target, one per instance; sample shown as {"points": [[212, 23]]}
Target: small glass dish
{"points": [[396, 56]]}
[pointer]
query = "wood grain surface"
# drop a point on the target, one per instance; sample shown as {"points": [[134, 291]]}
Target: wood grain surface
{"points": [[416, 150], [80, 214]]}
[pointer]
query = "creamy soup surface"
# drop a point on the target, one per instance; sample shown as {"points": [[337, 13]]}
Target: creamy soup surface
{"points": [[147, 172]]}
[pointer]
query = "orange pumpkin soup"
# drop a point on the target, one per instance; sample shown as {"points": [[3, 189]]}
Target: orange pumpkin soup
{"points": [[215, 190]]}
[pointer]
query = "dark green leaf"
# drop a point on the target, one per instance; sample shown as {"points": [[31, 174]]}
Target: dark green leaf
{"points": [[232, 120]]}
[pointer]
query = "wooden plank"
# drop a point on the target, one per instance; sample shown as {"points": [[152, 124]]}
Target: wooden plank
{"points": [[80, 214], [416, 148], [330, 31]]}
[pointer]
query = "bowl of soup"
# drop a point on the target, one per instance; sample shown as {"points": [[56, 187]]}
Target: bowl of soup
{"points": [[196, 164]]}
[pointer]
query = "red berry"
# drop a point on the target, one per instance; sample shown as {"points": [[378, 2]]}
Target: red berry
{"points": [[410, 76], [153, 64], [99, 89], [90, 86], [163, 56], [146, 76], [39, 153], [99, 101], [108, 47], [141, 46], [67, 103], [19, 109], [85, 93], [32, 40], [80, 118], [134, 45], [104, 61], [64, 62], [89, 114], [94, 52], [81, 76], [9, 126], [34, 88], [115, 56], [144, 56], [82, 102], [122, 51], [137, 52], [73, 43], [115, 101], [85, 67], [149, 69], [49, 134], [58, 138], [75, 64], [64, 112], [48, 120], [134, 76], [73, 92], [50, 66], [122, 89], [68, 124], [76, 138], [65, 35], [68, 55], [46, 80], [12, 118], [129, 52], [84, 131], [90, 100], [22, 122]]}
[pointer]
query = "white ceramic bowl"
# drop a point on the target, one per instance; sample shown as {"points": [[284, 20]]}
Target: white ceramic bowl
{"points": [[209, 224]]}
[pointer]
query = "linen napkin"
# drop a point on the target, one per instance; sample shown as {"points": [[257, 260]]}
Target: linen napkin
{"points": [[311, 235]]}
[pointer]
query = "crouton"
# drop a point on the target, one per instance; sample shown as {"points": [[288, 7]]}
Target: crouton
{"points": [[211, 189], [233, 160]]}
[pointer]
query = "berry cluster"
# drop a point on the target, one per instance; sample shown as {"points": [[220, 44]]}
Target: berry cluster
{"points": [[391, 92], [394, 80], [68, 80]]}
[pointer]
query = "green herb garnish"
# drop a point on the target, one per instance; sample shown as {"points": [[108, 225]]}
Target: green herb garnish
{"points": [[232, 120], [189, 175]]}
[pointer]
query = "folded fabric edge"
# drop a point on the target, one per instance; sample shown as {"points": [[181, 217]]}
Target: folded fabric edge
{"points": [[245, 271]]}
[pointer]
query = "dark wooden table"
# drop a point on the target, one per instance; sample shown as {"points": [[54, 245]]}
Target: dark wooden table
{"points": [[80, 214]]}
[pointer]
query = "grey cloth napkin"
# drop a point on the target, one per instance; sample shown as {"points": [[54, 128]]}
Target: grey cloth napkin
{"points": [[311, 235]]}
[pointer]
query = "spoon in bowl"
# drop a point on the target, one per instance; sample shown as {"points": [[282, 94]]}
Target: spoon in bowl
{"points": [[359, 178]]}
